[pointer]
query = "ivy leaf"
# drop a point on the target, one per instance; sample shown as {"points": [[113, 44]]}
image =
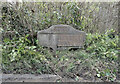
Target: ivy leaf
{"points": [[98, 75]]}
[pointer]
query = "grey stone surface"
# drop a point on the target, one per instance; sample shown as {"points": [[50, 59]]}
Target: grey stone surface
{"points": [[41, 78], [33, 78], [61, 37], [29, 78]]}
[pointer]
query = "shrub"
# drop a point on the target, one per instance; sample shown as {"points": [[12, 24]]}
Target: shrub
{"points": [[21, 57], [103, 45]]}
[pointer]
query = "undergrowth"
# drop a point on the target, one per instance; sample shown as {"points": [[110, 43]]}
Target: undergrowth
{"points": [[97, 60]]}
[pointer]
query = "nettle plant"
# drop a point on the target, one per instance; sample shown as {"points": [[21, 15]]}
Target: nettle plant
{"points": [[103, 45], [18, 51]]}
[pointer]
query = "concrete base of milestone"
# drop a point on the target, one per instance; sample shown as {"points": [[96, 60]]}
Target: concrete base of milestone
{"points": [[32, 78], [41, 78]]}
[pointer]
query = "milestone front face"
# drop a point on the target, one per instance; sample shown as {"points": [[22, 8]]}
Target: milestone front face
{"points": [[59, 36]]}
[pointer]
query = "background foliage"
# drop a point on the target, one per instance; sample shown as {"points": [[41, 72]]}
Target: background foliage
{"points": [[22, 54]]}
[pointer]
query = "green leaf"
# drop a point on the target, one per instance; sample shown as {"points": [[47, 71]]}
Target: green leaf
{"points": [[107, 74], [98, 75]]}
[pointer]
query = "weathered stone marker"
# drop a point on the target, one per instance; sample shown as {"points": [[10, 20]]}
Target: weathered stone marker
{"points": [[61, 37]]}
